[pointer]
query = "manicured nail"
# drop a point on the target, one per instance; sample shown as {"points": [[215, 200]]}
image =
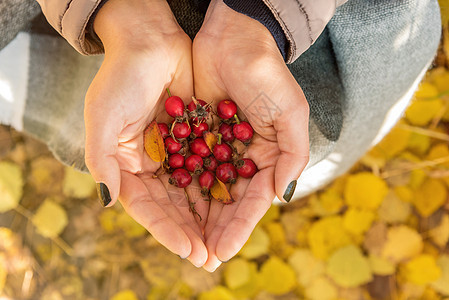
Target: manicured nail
{"points": [[290, 191], [103, 194]]}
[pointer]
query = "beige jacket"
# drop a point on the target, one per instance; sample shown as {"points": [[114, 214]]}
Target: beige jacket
{"points": [[302, 21]]}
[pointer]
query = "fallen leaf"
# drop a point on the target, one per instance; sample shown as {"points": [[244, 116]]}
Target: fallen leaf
{"points": [[348, 267], [218, 292], [381, 266], [277, 277], [11, 184], [154, 143], [440, 234], [365, 190], [421, 270], [357, 221], [210, 139], [236, 273], [50, 219], [307, 267], [442, 284], [220, 192], [402, 243], [77, 184], [257, 244], [393, 209], [375, 238], [125, 295], [430, 196], [321, 288]]}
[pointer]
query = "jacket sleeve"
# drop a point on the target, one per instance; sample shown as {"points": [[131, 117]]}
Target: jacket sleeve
{"points": [[71, 18], [300, 21]]}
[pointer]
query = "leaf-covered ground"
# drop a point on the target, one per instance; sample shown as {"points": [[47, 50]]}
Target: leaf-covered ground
{"points": [[379, 232]]}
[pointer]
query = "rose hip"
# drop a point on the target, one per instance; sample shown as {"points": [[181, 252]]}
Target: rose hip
{"points": [[192, 106], [210, 163], [198, 112], [226, 131], [172, 145], [176, 161], [223, 152], [194, 164], [243, 132], [199, 129], [226, 173], [174, 106], [226, 109], [180, 178], [199, 146], [163, 128], [181, 130], [246, 168], [206, 180]]}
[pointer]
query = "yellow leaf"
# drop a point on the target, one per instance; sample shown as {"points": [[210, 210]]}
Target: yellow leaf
{"points": [[421, 270], [11, 184], [444, 7], [130, 226], [357, 221], [395, 142], [50, 219], [417, 177], [108, 219], [381, 266], [220, 192], [419, 143], [295, 223], [365, 190], [421, 112], [3, 275], [394, 210], [125, 295], [327, 235], [430, 196], [442, 284], [272, 214], [278, 240], [257, 244], [402, 243], [210, 139], [437, 152], [321, 289], [306, 266], [440, 234], [154, 143], [277, 277], [375, 238], [77, 184], [404, 193], [236, 273], [329, 202], [251, 287], [217, 293], [349, 268], [426, 91]]}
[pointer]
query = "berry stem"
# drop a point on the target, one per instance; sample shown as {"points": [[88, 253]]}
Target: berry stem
{"points": [[219, 139], [168, 92], [195, 101], [236, 119]]}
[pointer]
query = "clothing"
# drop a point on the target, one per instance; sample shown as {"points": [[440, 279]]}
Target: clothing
{"points": [[357, 77]]}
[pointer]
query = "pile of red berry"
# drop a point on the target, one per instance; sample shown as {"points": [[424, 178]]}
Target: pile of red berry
{"points": [[196, 145]]}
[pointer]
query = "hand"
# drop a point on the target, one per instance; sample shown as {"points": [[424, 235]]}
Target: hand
{"points": [[236, 57], [145, 53]]}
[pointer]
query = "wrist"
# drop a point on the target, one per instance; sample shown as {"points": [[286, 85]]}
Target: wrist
{"points": [[134, 23]]}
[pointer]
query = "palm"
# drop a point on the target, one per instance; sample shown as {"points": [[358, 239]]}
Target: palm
{"points": [[248, 68], [134, 89]]}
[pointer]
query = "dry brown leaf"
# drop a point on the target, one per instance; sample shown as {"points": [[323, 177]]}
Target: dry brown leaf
{"points": [[154, 143], [220, 192], [210, 139]]}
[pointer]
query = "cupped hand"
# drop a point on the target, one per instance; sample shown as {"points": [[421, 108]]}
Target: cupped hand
{"points": [[145, 52], [236, 57]]}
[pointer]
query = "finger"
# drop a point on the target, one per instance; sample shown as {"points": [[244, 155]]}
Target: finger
{"points": [[212, 233], [293, 139], [138, 200], [101, 148], [182, 83], [253, 206]]}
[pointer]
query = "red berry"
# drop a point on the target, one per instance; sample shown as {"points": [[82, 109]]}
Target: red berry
{"points": [[174, 106], [226, 109], [210, 163], [207, 180], [172, 145], [192, 106], [180, 178], [246, 168], [226, 173], [226, 132], [223, 152], [199, 146], [163, 128], [199, 129], [176, 161], [181, 130], [194, 164], [243, 132]]}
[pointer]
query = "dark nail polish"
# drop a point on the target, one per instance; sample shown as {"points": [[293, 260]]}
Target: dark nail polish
{"points": [[290, 191], [103, 194]]}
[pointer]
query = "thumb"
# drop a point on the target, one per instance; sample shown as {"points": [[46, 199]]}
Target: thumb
{"points": [[293, 139], [102, 134]]}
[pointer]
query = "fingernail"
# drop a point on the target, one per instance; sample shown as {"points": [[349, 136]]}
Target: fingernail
{"points": [[182, 257], [103, 194], [290, 191]]}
